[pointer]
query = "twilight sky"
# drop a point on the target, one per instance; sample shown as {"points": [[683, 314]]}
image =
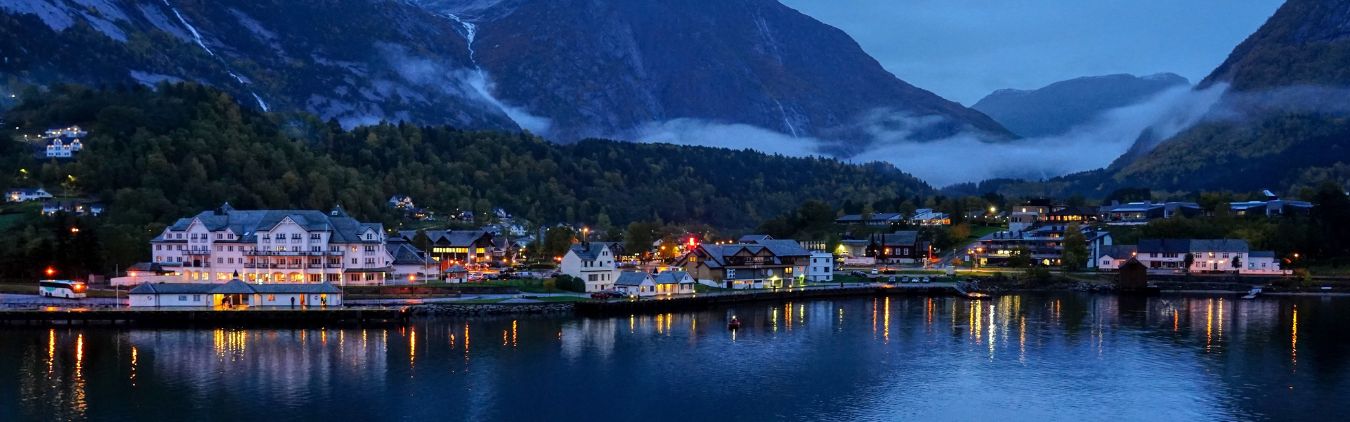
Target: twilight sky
{"points": [[964, 49]]}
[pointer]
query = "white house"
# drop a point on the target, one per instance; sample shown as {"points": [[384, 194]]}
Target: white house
{"points": [[821, 268], [63, 147], [274, 246], [1262, 262], [674, 282], [25, 195], [1111, 257], [1216, 255], [593, 263], [635, 283], [235, 294]]}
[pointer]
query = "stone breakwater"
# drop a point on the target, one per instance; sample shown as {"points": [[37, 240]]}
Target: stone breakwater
{"points": [[454, 309]]}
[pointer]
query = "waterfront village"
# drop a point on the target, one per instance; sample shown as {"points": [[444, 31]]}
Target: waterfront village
{"points": [[232, 258]]}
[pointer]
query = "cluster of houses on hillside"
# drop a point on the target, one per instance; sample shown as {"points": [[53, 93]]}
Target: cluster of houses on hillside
{"points": [[52, 206], [61, 143]]}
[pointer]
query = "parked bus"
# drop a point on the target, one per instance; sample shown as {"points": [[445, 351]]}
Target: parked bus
{"points": [[68, 289]]}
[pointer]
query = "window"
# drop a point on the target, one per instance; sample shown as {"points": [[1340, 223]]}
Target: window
{"points": [[313, 236], [157, 247], [295, 236], [182, 298], [196, 298], [267, 236]]}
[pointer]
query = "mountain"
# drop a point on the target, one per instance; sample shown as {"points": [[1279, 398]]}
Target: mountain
{"points": [[601, 67], [1061, 106], [1282, 122], [569, 69], [350, 60]]}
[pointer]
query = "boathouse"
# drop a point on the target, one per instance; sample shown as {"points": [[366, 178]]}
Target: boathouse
{"points": [[235, 294]]}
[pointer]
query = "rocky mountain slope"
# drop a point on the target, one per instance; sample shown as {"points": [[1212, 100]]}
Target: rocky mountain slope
{"points": [[1283, 121], [568, 69]]}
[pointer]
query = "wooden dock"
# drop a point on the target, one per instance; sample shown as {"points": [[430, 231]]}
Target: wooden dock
{"points": [[204, 317]]}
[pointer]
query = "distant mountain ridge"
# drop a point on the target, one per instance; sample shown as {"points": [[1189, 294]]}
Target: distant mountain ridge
{"points": [[1059, 107]]}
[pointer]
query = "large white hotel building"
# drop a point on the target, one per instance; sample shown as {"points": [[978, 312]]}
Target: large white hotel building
{"points": [[274, 246]]}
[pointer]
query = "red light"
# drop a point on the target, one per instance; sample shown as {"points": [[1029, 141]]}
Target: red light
{"points": [[51, 271], [77, 287]]}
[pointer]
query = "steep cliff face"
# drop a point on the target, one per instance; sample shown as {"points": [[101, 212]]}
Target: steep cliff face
{"points": [[602, 67], [356, 61]]}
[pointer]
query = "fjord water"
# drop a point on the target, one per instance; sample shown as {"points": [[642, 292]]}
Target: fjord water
{"points": [[1025, 357]]}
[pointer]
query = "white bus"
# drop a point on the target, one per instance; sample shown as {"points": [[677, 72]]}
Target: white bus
{"points": [[63, 288]]}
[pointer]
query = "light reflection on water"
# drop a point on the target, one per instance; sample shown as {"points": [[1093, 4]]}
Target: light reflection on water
{"points": [[1013, 357]]}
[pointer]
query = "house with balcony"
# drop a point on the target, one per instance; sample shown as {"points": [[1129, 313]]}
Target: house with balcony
{"points": [[274, 246], [593, 263], [767, 263]]}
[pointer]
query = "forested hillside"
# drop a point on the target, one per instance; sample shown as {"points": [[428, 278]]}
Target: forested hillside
{"points": [[156, 155]]}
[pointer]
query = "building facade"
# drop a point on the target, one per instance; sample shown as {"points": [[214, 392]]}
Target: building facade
{"points": [[821, 269], [593, 263], [274, 246]]}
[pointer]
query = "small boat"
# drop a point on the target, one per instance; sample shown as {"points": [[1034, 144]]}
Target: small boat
{"points": [[734, 323]]}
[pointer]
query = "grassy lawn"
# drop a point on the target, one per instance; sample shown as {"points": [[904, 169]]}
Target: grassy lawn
{"points": [[703, 288], [481, 301], [558, 299], [977, 231]]}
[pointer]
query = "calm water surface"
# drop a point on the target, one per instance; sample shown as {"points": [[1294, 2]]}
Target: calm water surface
{"points": [[1031, 357]]}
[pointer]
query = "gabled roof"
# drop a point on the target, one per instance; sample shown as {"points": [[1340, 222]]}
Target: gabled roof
{"points": [[1182, 246], [753, 238], [1119, 251], [673, 277], [588, 251], [1175, 246], [341, 227], [632, 278], [235, 286], [404, 253], [900, 238], [1219, 245], [173, 289]]}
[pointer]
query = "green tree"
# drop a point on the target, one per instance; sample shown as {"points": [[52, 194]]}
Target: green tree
{"points": [[1075, 254]]}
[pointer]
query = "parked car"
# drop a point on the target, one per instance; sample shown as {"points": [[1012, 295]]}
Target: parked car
{"points": [[857, 273], [874, 271]]}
